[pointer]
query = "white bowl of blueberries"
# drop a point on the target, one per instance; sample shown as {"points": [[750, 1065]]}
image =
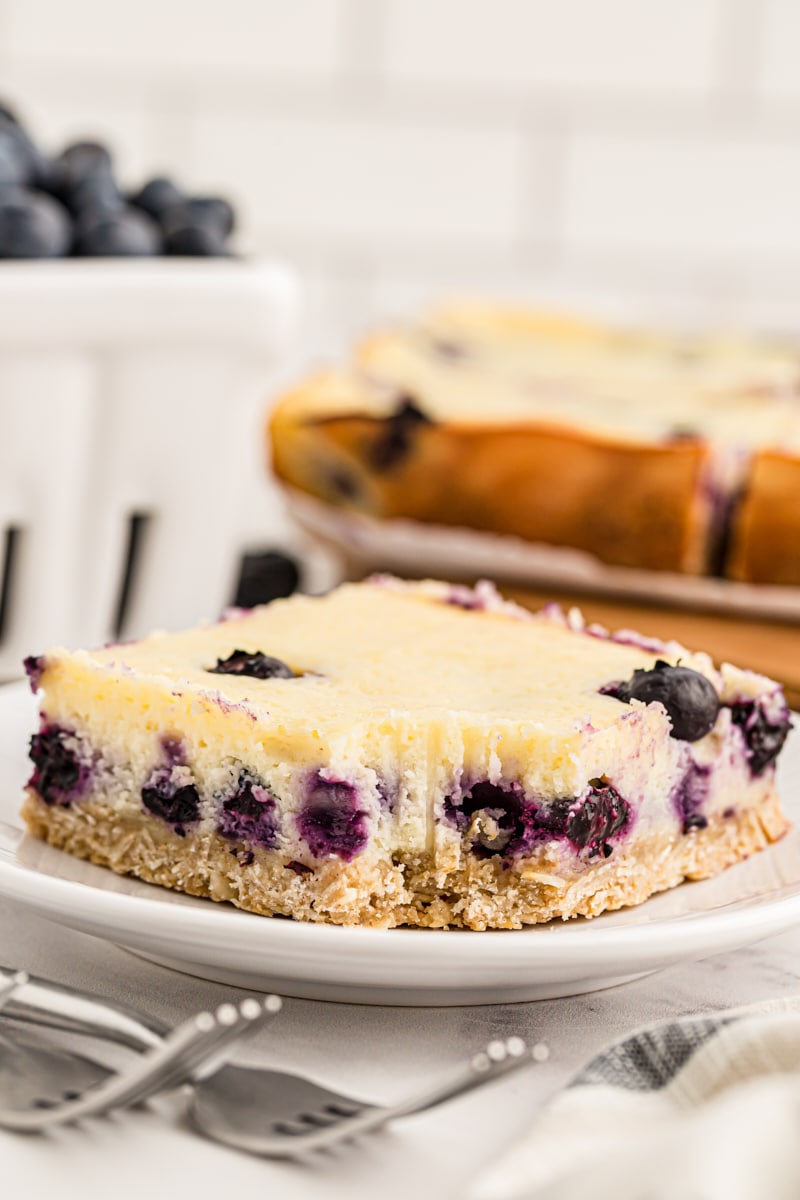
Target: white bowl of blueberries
{"points": [[132, 397], [71, 204]]}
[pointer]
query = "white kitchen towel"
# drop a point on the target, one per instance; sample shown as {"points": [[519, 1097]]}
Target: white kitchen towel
{"points": [[703, 1108]]}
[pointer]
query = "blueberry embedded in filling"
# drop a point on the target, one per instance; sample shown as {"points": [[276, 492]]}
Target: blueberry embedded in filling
{"points": [[34, 668], [253, 664], [763, 738], [690, 699], [501, 820], [690, 795], [169, 795], [597, 818], [493, 813], [59, 777], [332, 821], [250, 815], [395, 439]]}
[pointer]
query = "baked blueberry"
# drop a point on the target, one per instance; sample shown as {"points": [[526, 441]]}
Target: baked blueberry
{"points": [[331, 821], [763, 738], [176, 803], [600, 815], [249, 815], [252, 663], [32, 225], [57, 772], [127, 233], [394, 441], [690, 699]]}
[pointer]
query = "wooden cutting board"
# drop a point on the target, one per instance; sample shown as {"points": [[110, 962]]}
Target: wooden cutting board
{"points": [[771, 647]]}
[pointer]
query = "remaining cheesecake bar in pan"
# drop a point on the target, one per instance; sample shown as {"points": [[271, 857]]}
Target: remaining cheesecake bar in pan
{"points": [[643, 450], [406, 754]]}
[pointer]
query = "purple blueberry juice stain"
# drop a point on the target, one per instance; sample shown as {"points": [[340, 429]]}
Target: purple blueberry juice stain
{"points": [[512, 824], [690, 795], [331, 820], [34, 668], [250, 814], [763, 735], [59, 775]]}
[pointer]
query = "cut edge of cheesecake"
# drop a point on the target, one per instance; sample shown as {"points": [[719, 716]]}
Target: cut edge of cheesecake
{"points": [[438, 823]]}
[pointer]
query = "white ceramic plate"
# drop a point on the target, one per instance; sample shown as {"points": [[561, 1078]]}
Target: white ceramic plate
{"points": [[395, 966]]}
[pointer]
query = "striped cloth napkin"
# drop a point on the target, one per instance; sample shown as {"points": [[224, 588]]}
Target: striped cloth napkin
{"points": [[703, 1108]]}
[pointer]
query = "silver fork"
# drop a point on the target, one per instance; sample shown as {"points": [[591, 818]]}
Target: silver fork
{"points": [[311, 1119], [191, 1045], [256, 1109]]}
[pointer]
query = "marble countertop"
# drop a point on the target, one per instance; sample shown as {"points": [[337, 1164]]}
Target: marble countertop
{"points": [[379, 1053]]}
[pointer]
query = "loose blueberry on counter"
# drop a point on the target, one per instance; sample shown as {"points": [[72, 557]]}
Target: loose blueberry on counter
{"points": [[57, 772], [94, 197], [690, 699], [764, 739], [32, 225], [252, 663], [124, 234]]}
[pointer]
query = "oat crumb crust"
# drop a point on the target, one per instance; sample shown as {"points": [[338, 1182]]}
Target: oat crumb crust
{"points": [[374, 891]]}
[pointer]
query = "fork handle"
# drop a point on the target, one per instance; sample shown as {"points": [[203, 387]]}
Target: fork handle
{"points": [[498, 1059], [58, 1006]]}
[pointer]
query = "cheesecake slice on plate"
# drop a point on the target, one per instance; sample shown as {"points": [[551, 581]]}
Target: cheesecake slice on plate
{"points": [[406, 754]]}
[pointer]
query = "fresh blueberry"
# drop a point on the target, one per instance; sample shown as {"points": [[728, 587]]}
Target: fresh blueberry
{"points": [[763, 739], [81, 161], [269, 575], [7, 113], [252, 663], [32, 225], [157, 196], [212, 211], [249, 815], [57, 772], [16, 156], [690, 699], [127, 233], [177, 804], [95, 197], [331, 822], [195, 241]]}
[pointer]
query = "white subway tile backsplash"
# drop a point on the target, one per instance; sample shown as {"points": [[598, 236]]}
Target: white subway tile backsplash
{"points": [[780, 49], [362, 180], [618, 45], [175, 36], [709, 200]]}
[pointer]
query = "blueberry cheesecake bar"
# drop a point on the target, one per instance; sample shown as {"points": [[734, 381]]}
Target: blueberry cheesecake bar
{"points": [[513, 423], [406, 754]]}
